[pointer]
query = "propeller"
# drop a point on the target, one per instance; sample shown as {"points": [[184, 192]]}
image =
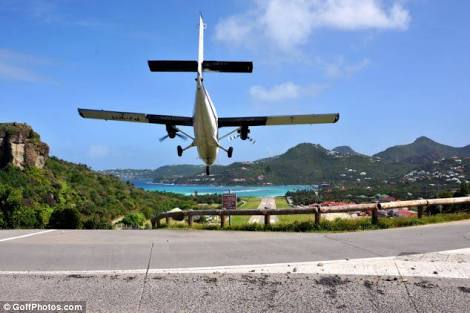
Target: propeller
{"points": [[238, 136], [179, 135]]}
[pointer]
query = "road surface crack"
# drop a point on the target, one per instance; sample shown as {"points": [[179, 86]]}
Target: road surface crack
{"points": [[406, 288], [145, 278]]}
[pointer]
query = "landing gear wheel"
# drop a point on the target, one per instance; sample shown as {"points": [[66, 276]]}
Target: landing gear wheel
{"points": [[179, 150], [230, 152], [208, 172]]}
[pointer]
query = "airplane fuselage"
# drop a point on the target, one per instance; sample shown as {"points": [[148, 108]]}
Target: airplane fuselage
{"points": [[205, 125]]}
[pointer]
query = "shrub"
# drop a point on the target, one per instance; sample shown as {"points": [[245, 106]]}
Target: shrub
{"points": [[134, 219], [65, 219]]}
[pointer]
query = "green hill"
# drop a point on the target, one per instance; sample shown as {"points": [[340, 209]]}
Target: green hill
{"points": [[36, 189], [312, 164], [346, 150], [303, 164], [421, 151]]}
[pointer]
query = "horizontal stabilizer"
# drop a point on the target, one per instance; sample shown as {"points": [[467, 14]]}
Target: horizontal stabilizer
{"points": [[228, 66], [173, 66], [209, 66]]}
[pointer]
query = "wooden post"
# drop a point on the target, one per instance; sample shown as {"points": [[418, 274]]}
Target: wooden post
{"points": [[190, 219], [375, 214], [317, 216], [167, 220], [420, 211], [267, 220], [222, 220]]}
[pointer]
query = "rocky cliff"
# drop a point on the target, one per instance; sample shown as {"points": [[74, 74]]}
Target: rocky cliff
{"points": [[20, 146]]}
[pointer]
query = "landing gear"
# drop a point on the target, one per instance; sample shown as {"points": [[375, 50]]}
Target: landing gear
{"points": [[208, 170], [229, 151], [180, 149]]}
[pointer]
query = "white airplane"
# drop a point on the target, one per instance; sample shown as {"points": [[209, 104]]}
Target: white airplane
{"points": [[205, 122]]}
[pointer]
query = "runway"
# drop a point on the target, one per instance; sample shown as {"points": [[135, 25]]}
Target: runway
{"points": [[204, 271]]}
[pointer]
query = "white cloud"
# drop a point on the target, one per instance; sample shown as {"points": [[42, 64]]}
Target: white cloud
{"points": [[98, 151], [286, 24], [284, 91], [234, 28], [19, 67], [340, 69]]}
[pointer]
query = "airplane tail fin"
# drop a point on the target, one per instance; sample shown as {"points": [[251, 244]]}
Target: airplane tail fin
{"points": [[200, 65], [200, 54]]}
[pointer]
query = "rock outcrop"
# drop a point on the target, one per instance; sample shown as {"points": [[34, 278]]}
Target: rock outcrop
{"points": [[20, 146]]}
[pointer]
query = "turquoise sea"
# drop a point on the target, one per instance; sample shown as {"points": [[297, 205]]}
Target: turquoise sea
{"points": [[242, 191]]}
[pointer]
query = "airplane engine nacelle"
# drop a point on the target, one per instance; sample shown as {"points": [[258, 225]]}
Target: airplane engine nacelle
{"points": [[171, 130], [244, 131]]}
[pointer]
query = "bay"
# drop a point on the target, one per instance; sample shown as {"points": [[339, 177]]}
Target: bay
{"points": [[242, 191]]}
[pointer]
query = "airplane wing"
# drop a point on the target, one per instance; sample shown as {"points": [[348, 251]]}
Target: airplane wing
{"points": [[278, 120], [136, 117]]}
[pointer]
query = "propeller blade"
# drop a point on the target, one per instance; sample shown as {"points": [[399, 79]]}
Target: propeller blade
{"points": [[163, 138], [181, 136]]}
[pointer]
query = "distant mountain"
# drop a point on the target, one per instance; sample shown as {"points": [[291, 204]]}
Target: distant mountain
{"points": [[303, 164], [346, 150], [309, 163], [421, 151]]}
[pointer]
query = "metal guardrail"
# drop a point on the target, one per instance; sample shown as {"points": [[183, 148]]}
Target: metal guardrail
{"points": [[316, 210]]}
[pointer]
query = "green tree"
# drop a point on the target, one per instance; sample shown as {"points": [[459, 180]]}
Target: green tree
{"points": [[134, 219], [24, 217], [2, 220], [464, 190], [96, 223], [11, 200], [65, 219]]}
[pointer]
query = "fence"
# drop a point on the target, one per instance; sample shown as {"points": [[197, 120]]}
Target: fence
{"points": [[315, 210]]}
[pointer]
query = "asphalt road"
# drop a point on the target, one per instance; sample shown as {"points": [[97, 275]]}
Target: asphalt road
{"points": [[143, 289], [120, 250]]}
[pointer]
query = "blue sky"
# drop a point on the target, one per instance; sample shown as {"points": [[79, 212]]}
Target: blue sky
{"points": [[395, 70]]}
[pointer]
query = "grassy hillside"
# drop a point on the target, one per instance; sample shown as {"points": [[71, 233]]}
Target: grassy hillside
{"points": [[312, 164], [303, 164], [29, 197], [421, 151]]}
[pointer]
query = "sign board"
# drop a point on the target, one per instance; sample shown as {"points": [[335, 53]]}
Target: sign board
{"points": [[229, 201]]}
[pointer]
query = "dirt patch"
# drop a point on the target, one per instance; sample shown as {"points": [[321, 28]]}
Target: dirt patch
{"points": [[332, 282], [368, 284], [210, 279], [78, 276], [425, 284]]}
